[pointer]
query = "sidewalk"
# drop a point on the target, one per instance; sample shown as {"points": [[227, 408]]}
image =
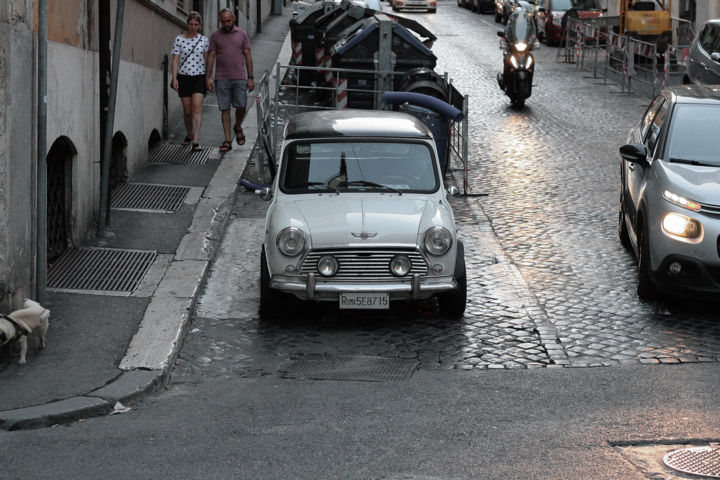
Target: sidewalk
{"points": [[103, 349]]}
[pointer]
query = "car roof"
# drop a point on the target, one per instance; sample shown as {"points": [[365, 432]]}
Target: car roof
{"points": [[695, 93], [355, 123]]}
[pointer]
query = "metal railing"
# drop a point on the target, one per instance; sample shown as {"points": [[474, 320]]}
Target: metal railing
{"points": [[594, 47], [340, 88]]}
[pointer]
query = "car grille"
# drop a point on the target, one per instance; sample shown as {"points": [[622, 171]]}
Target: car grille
{"points": [[364, 264], [710, 209]]}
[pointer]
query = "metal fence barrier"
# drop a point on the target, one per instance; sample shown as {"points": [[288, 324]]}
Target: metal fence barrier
{"points": [[594, 47], [332, 91]]}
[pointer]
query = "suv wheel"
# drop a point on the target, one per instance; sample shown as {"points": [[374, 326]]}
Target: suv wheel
{"points": [[645, 288], [622, 227]]}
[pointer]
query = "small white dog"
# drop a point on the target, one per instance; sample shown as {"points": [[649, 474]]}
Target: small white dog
{"points": [[16, 326]]}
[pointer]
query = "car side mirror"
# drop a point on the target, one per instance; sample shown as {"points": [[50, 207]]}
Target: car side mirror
{"points": [[453, 191], [715, 56], [635, 153]]}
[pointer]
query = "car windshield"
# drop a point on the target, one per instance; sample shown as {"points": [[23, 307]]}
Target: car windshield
{"points": [[693, 134], [578, 4], [360, 166]]}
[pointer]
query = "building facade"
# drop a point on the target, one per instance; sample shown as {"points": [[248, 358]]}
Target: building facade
{"points": [[80, 37]]}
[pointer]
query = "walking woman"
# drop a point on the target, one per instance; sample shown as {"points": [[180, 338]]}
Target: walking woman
{"points": [[189, 55]]}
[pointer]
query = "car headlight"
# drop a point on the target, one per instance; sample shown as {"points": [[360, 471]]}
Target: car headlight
{"points": [[400, 265], [327, 266], [513, 61], [437, 241], [291, 241], [680, 201], [681, 226], [557, 19]]}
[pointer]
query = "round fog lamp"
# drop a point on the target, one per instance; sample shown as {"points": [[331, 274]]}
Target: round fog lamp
{"points": [[400, 265], [327, 266], [675, 268]]}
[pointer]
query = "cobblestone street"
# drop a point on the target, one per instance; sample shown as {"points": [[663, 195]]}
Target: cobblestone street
{"points": [[549, 284]]}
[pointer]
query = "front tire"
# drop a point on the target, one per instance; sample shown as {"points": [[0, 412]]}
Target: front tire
{"points": [[452, 304], [622, 226], [270, 299], [645, 288]]}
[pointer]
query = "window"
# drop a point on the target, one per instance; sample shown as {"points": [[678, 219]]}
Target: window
{"points": [[650, 115], [710, 37], [656, 127]]}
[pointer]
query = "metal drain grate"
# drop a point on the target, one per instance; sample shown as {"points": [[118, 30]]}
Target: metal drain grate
{"points": [[148, 197], [179, 155], [210, 99], [703, 461], [100, 270], [368, 369]]}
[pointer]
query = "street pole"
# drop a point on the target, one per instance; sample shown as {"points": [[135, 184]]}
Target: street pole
{"points": [[104, 219], [41, 190]]}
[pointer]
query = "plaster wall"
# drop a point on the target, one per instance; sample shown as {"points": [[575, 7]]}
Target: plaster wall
{"points": [[72, 111], [16, 164], [139, 109]]}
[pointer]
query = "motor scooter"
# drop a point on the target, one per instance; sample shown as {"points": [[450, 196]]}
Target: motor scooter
{"points": [[518, 39]]}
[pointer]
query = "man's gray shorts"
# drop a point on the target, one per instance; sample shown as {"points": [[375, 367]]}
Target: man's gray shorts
{"points": [[231, 92]]}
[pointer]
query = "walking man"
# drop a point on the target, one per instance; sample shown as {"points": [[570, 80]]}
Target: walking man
{"points": [[233, 74]]}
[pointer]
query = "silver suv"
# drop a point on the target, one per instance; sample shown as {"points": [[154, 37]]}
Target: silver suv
{"points": [[670, 199], [703, 67]]}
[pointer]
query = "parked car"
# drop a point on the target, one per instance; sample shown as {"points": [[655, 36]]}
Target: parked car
{"points": [[481, 6], [703, 63], [360, 216], [670, 199], [429, 5], [549, 16]]}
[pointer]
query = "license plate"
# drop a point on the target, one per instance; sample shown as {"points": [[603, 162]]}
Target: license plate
{"points": [[365, 301]]}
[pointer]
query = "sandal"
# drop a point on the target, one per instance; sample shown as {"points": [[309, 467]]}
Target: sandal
{"points": [[197, 147], [239, 136], [226, 146], [187, 141]]}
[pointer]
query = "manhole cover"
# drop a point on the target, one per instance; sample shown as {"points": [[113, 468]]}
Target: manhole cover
{"points": [[360, 368], [110, 271], [148, 197], [704, 461], [179, 155]]}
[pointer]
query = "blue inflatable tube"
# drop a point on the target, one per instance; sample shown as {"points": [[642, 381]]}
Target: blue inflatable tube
{"points": [[253, 186], [432, 103]]}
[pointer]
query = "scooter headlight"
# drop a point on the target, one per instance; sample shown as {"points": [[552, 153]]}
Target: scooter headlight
{"points": [[529, 62], [521, 46], [513, 61]]}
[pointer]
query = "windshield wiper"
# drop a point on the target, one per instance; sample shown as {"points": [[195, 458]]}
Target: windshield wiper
{"points": [[365, 183], [318, 184], [691, 162]]}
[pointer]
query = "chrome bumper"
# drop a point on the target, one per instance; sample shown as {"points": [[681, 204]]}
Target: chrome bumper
{"points": [[310, 286]]}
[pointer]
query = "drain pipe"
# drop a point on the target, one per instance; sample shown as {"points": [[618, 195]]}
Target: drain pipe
{"points": [[104, 219], [41, 189]]}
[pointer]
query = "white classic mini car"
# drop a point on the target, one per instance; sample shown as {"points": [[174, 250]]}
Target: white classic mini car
{"points": [[360, 216]]}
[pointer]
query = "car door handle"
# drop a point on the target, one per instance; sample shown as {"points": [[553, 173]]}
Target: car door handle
{"points": [[631, 166]]}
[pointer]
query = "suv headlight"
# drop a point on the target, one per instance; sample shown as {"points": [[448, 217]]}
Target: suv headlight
{"points": [[681, 201], [437, 241], [291, 241], [681, 226]]}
